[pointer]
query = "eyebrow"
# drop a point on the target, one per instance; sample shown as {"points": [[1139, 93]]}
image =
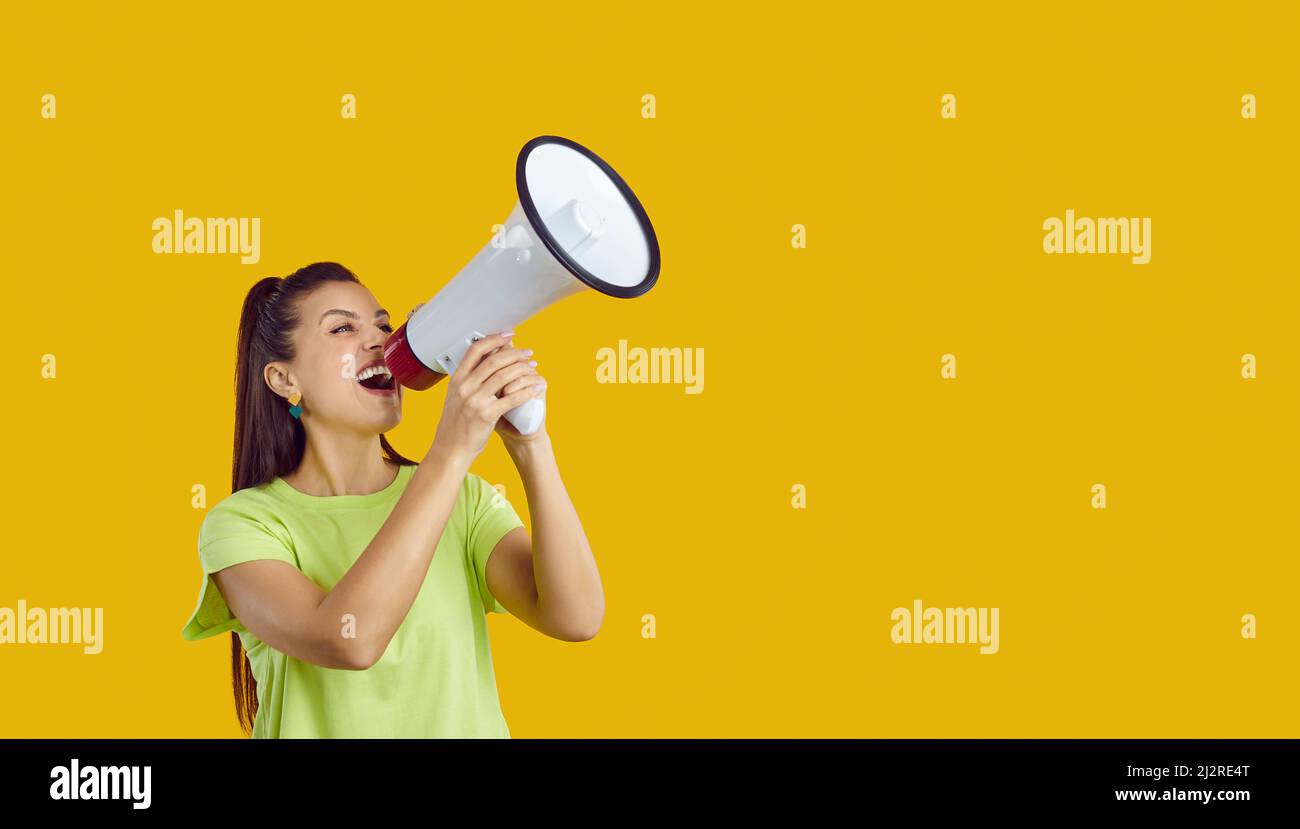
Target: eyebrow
{"points": [[349, 314]]}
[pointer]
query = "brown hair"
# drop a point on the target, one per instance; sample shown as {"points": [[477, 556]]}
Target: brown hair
{"points": [[269, 441]]}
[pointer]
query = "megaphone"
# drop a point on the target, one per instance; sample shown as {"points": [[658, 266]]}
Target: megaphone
{"points": [[576, 225]]}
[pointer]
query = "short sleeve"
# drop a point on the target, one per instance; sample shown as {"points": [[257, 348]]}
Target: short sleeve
{"points": [[230, 534], [491, 516]]}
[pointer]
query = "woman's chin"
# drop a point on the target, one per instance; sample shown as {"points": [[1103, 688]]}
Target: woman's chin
{"points": [[389, 422], [377, 422]]}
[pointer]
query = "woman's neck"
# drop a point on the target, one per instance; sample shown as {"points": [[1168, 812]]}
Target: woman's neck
{"points": [[352, 465]]}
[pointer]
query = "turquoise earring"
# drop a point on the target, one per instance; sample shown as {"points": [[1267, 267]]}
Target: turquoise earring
{"points": [[294, 408]]}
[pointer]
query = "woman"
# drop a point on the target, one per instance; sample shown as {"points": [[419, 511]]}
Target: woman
{"points": [[356, 580]]}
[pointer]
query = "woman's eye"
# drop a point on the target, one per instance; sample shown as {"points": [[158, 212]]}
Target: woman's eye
{"points": [[341, 327], [388, 329]]}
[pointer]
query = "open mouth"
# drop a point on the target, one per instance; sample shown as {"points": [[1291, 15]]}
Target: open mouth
{"points": [[376, 378]]}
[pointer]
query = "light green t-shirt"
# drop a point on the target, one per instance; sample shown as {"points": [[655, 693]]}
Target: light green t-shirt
{"points": [[434, 680]]}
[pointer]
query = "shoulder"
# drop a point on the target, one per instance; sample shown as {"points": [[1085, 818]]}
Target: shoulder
{"points": [[247, 524], [250, 508], [249, 500], [471, 486], [477, 497], [474, 484], [477, 492]]}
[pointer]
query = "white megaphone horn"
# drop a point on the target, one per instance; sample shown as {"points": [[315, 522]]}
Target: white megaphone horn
{"points": [[576, 225]]}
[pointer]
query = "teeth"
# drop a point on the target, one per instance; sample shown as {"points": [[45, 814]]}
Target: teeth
{"points": [[372, 371]]}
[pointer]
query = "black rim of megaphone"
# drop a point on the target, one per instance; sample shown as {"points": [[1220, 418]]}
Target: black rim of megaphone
{"points": [[561, 255]]}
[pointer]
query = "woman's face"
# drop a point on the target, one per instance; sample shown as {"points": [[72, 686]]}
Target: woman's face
{"points": [[341, 332]]}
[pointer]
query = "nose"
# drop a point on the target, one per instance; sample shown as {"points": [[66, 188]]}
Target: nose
{"points": [[375, 337]]}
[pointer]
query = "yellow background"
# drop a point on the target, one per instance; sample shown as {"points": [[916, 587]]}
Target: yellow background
{"points": [[822, 364]]}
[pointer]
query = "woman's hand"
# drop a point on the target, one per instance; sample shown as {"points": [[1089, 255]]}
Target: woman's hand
{"points": [[509, 434], [473, 407]]}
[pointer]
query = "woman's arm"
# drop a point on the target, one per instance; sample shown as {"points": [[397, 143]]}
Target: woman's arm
{"points": [[550, 581]]}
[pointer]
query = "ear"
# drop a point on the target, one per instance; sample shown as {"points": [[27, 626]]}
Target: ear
{"points": [[278, 379]]}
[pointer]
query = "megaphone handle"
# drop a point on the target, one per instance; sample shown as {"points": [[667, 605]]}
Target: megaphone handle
{"points": [[527, 417]]}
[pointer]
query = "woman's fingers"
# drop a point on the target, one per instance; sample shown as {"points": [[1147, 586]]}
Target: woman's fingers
{"points": [[520, 382], [496, 384], [473, 357], [492, 367], [496, 361], [470, 413], [509, 401]]}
